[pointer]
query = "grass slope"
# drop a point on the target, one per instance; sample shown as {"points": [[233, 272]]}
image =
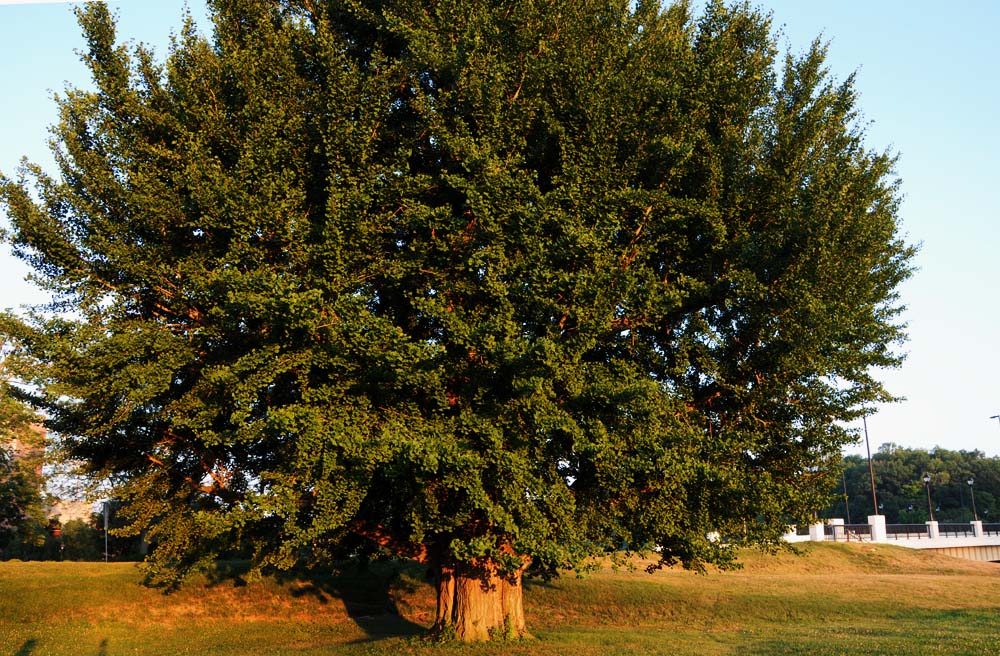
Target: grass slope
{"points": [[831, 599]]}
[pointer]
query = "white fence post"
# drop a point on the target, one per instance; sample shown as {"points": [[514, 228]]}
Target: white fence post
{"points": [[932, 530], [817, 532], [977, 528], [877, 524]]}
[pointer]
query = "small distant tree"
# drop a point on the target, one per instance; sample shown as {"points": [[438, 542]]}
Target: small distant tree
{"points": [[22, 512], [491, 285], [124, 542], [81, 541], [22, 527]]}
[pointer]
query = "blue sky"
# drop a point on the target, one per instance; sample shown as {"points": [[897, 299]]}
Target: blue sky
{"points": [[928, 90]]}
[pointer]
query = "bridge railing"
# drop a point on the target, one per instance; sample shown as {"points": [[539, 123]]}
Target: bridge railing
{"points": [[955, 530], [847, 532], [857, 533], [876, 530], [898, 531]]}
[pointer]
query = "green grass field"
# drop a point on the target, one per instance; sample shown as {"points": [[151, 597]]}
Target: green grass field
{"points": [[832, 599]]}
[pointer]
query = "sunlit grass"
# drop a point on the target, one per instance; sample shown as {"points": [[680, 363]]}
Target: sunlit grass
{"points": [[833, 599]]}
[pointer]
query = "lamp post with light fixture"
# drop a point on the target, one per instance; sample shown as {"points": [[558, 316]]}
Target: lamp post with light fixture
{"points": [[972, 491], [927, 486], [871, 470]]}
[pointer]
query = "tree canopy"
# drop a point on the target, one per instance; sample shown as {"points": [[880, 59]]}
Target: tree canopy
{"points": [[487, 284]]}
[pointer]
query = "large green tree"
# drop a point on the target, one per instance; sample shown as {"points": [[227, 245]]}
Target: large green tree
{"points": [[492, 285]]}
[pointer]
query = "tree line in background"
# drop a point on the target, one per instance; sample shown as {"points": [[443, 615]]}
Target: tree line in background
{"points": [[902, 493], [26, 530], [899, 472], [41, 538], [22, 513], [26, 533]]}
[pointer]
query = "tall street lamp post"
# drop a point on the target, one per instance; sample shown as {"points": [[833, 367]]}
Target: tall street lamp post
{"points": [[972, 491], [871, 470], [927, 486]]}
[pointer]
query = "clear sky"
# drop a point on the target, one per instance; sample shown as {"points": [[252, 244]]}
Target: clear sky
{"points": [[926, 72]]}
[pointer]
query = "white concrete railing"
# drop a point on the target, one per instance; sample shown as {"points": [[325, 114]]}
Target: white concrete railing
{"points": [[926, 536]]}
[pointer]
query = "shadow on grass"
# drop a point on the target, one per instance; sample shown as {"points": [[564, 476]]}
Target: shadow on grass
{"points": [[540, 583], [368, 591], [27, 648]]}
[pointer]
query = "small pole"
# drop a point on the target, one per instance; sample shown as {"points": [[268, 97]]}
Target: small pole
{"points": [[871, 470], [847, 502], [106, 510]]}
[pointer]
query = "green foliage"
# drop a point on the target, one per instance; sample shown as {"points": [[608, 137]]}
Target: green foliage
{"points": [[21, 511], [22, 514], [477, 278], [899, 483], [81, 541]]}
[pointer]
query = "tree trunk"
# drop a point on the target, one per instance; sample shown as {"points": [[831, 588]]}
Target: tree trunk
{"points": [[445, 599], [478, 603], [513, 606]]}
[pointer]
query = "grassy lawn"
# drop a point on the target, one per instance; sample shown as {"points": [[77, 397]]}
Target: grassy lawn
{"points": [[832, 599]]}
